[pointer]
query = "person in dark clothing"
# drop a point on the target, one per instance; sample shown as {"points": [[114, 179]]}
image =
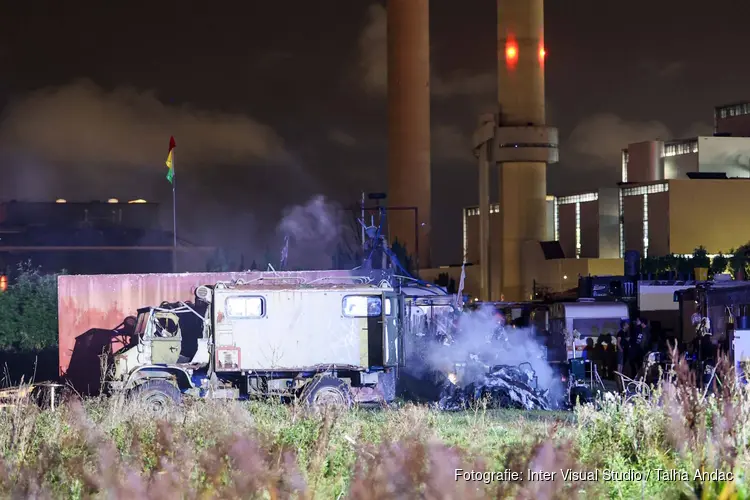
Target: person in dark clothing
{"points": [[639, 341], [623, 346], [589, 350], [605, 350]]}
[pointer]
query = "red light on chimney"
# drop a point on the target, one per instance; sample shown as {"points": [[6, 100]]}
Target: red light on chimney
{"points": [[3, 283], [542, 53], [511, 53]]}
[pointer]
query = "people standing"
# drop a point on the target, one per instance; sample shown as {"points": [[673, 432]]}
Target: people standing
{"points": [[623, 345], [640, 341], [605, 347]]}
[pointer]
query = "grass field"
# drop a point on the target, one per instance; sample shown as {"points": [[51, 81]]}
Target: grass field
{"points": [[108, 448]]}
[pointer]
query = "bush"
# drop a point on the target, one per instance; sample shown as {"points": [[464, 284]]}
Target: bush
{"points": [[700, 258], [28, 311], [227, 449], [719, 264]]}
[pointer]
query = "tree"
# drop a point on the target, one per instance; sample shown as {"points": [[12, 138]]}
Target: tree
{"points": [[719, 264], [700, 258], [28, 310], [253, 266], [449, 284], [738, 262], [403, 256], [218, 262]]}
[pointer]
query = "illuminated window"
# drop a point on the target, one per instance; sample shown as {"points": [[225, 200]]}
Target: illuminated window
{"points": [[557, 221], [474, 211], [362, 306], [677, 148], [625, 158], [578, 198], [640, 190], [730, 110], [578, 230], [645, 225], [245, 306]]}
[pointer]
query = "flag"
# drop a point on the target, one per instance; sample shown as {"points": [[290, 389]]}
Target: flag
{"points": [[459, 295], [169, 162], [284, 252]]}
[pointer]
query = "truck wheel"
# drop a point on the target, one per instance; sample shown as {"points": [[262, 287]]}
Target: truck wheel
{"points": [[327, 391], [157, 395]]}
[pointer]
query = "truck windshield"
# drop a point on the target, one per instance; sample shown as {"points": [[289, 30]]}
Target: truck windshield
{"points": [[140, 325]]}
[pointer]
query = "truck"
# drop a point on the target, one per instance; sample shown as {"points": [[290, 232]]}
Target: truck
{"points": [[315, 342]]}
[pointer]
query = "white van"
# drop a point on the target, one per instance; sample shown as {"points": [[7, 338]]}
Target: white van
{"points": [[590, 319]]}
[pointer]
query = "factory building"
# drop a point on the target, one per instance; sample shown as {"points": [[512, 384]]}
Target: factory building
{"points": [[732, 119], [96, 237], [674, 196]]}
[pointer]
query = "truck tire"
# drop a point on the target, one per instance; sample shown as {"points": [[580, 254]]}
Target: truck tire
{"points": [[157, 395], [327, 391]]}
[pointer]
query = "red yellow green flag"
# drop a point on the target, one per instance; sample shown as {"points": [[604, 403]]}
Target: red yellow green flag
{"points": [[170, 160]]}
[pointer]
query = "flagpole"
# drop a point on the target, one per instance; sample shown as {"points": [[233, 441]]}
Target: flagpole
{"points": [[174, 218]]}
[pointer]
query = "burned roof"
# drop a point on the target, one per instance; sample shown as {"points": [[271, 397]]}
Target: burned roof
{"points": [[292, 286]]}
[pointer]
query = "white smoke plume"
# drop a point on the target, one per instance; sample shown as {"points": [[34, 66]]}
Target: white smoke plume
{"points": [[315, 229], [475, 329]]}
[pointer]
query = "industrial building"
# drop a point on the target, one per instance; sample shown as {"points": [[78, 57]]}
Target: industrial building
{"points": [[96, 237], [674, 196], [732, 119]]}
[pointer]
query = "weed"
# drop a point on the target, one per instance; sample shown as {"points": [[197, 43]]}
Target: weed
{"points": [[212, 449]]}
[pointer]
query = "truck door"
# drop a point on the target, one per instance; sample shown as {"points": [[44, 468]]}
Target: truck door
{"points": [[166, 341], [393, 313]]}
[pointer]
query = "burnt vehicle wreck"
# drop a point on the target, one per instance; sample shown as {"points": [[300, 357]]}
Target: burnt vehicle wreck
{"points": [[469, 358], [503, 386]]}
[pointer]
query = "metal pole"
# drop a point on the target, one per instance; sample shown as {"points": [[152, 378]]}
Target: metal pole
{"points": [[416, 239], [484, 223], [363, 220], [174, 217]]}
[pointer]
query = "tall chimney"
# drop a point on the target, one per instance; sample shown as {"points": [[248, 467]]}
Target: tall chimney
{"points": [[522, 146], [409, 126]]}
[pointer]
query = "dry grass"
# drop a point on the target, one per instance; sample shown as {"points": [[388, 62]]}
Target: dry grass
{"points": [[107, 448]]}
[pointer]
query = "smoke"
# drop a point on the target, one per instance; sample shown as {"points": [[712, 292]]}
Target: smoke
{"points": [[373, 51], [474, 332], [373, 67], [76, 130], [315, 230], [603, 136]]}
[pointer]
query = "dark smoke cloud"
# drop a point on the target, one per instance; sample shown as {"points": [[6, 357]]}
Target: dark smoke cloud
{"points": [[83, 123], [83, 142]]}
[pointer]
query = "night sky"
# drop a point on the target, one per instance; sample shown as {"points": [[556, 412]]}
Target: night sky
{"points": [[273, 103]]}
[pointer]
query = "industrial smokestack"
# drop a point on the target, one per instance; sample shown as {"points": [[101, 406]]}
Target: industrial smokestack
{"points": [[409, 179], [522, 147]]}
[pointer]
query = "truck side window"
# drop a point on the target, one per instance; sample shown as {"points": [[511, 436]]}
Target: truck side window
{"points": [[362, 306], [245, 306], [388, 306]]}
